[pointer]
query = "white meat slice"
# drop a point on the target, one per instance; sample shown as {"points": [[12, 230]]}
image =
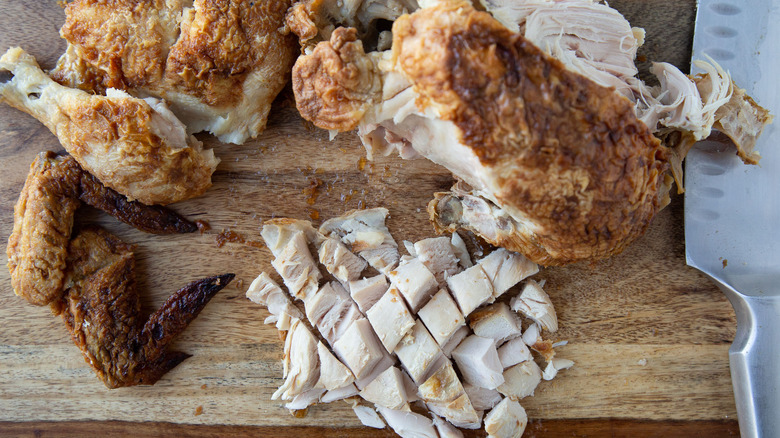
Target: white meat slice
{"points": [[301, 362], [339, 394], [471, 288], [507, 420], [513, 352], [459, 246], [455, 340], [441, 316], [333, 373], [277, 233], [478, 362], [506, 268], [329, 296], [367, 291], [266, 292], [409, 246], [481, 398], [415, 282], [339, 261], [532, 335], [359, 348], [521, 380], [438, 255], [387, 390], [305, 399], [368, 416], [417, 352], [390, 318], [555, 365], [496, 321], [297, 267], [444, 395], [445, 429], [384, 363], [338, 320], [534, 303], [408, 424], [366, 234]]}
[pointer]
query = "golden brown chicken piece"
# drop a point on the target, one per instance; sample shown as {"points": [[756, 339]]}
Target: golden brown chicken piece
{"points": [[102, 311], [218, 63], [135, 146], [43, 218]]}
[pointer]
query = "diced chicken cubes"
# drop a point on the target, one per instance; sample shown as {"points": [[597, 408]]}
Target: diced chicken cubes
{"points": [[318, 304], [390, 318], [367, 291], [339, 394], [478, 362], [301, 364], [521, 380], [333, 373], [266, 292], [339, 261], [506, 268], [507, 420], [438, 255], [408, 424], [482, 399], [534, 303], [297, 267], [444, 395], [366, 233], [277, 233], [441, 316], [459, 246], [513, 352], [555, 365], [471, 288], [445, 429], [417, 352], [359, 348], [496, 321], [455, 340], [306, 399], [415, 282], [384, 363], [387, 390], [368, 416]]}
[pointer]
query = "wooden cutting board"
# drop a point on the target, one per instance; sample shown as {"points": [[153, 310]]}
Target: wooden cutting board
{"points": [[649, 335]]}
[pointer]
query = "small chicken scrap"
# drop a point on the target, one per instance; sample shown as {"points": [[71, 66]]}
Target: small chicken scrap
{"points": [[562, 153], [90, 279], [425, 341]]}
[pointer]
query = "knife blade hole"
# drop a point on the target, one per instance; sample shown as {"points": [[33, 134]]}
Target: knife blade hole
{"points": [[720, 54], [711, 170], [725, 9], [712, 192], [722, 31]]}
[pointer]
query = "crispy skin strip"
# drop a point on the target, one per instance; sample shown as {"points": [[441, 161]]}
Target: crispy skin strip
{"points": [[43, 218], [102, 312], [147, 218]]}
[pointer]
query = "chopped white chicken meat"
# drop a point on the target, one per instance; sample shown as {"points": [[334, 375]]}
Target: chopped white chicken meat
{"points": [[521, 380], [441, 316], [444, 395], [555, 365], [506, 268], [338, 320], [266, 292], [384, 363], [507, 420], [408, 424], [365, 232], [333, 373], [359, 348], [438, 255], [496, 321], [478, 362], [390, 318], [459, 246], [445, 429], [367, 291], [277, 233], [418, 352], [410, 249], [534, 303], [455, 340], [532, 335], [306, 399], [368, 416], [471, 288], [339, 261], [415, 282], [513, 352], [481, 398], [387, 390], [320, 303], [297, 267], [301, 362], [339, 394]]}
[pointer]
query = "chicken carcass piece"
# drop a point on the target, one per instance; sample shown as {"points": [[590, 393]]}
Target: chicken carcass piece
{"points": [[102, 311], [218, 63], [134, 146], [575, 173]]}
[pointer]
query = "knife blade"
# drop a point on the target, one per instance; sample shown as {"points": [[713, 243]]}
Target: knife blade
{"points": [[732, 211]]}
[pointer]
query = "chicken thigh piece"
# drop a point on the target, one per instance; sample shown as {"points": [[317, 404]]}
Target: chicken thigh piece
{"points": [[134, 146], [217, 63]]}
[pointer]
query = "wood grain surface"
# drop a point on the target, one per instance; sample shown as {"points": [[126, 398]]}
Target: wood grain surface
{"points": [[649, 335]]}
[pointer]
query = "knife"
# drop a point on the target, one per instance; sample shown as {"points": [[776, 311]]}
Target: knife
{"points": [[732, 210]]}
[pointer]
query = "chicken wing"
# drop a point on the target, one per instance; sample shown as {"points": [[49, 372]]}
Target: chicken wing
{"points": [[218, 63], [101, 309], [135, 146]]}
